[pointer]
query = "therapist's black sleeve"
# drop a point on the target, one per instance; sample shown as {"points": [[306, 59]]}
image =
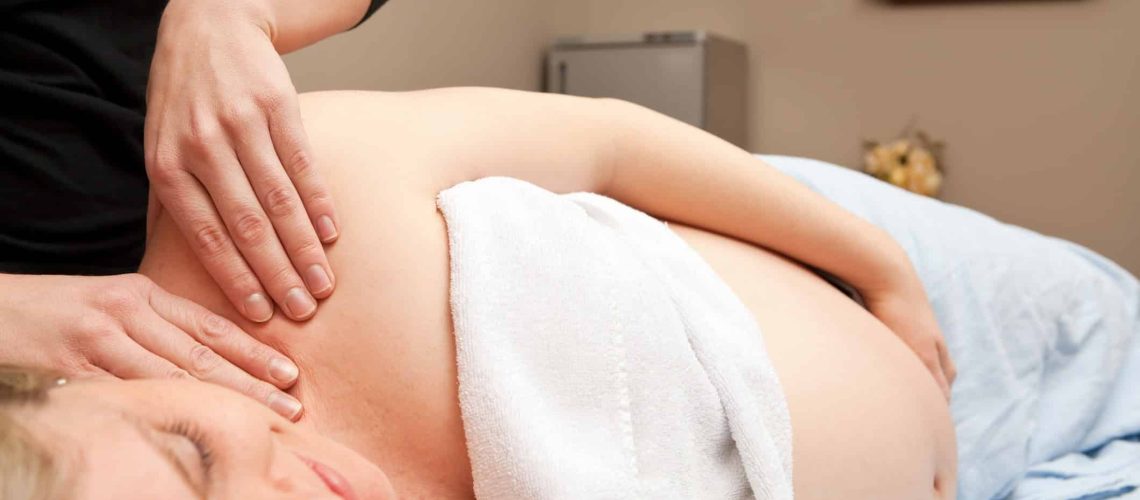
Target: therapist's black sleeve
{"points": [[372, 8]]}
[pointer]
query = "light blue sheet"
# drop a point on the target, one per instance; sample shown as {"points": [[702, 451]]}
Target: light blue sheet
{"points": [[1045, 334]]}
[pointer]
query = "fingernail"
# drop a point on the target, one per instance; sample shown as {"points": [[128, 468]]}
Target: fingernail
{"points": [[326, 229], [299, 303], [282, 370], [317, 279], [285, 405], [258, 308]]}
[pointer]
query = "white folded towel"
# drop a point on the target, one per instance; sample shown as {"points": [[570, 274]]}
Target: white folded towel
{"points": [[600, 357]]}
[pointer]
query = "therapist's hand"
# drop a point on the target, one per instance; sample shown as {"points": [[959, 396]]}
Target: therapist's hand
{"points": [[906, 311], [228, 158], [128, 327]]}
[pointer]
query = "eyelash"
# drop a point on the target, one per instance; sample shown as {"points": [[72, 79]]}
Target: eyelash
{"points": [[196, 436]]}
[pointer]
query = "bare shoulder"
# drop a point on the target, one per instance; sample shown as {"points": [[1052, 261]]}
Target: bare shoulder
{"points": [[429, 140]]}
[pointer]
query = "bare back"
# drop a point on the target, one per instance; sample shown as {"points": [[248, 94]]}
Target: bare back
{"points": [[378, 361]]}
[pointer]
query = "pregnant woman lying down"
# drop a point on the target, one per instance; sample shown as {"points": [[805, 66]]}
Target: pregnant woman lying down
{"points": [[865, 388]]}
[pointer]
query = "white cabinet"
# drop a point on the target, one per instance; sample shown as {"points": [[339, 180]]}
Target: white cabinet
{"points": [[693, 76]]}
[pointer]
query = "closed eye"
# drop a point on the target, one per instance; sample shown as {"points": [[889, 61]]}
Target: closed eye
{"points": [[196, 437], [190, 459]]}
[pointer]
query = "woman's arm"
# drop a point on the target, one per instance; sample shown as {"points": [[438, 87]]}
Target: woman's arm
{"points": [[671, 170], [680, 173], [705, 181]]}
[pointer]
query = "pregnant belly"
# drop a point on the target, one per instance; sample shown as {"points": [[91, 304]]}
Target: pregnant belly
{"points": [[868, 420]]}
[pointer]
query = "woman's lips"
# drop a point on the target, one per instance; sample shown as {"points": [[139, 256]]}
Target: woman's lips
{"points": [[333, 479]]}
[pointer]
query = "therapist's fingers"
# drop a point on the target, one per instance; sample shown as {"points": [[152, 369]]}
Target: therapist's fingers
{"points": [[282, 204], [255, 237], [171, 343], [94, 371], [943, 383], [295, 154], [225, 338], [936, 369], [928, 354], [192, 210], [122, 357], [948, 366]]}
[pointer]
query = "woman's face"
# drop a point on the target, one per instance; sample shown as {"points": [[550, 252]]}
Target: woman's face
{"points": [[189, 440]]}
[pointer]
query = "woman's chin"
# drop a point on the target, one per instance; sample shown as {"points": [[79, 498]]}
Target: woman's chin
{"points": [[372, 485], [365, 480]]}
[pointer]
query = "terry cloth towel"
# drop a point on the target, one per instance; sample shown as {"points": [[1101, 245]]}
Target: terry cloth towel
{"points": [[600, 357]]}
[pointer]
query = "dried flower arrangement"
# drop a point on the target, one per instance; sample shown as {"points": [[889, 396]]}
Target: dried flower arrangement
{"points": [[912, 161]]}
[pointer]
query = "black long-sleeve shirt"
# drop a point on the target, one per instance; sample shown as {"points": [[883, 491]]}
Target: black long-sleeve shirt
{"points": [[73, 187]]}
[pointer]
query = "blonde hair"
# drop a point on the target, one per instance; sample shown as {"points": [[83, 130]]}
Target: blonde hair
{"points": [[27, 469]]}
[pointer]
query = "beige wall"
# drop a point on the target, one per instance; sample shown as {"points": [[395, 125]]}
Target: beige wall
{"points": [[414, 44], [1038, 101]]}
